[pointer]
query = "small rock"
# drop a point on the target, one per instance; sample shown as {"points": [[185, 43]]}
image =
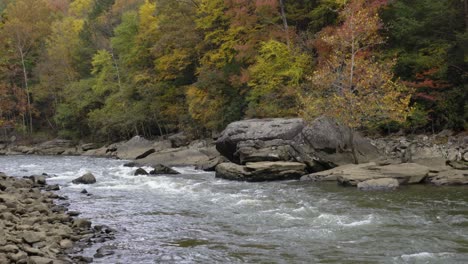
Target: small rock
{"points": [[54, 187], [66, 243], [131, 164], [18, 256], [104, 251], [162, 169], [82, 223], [73, 213], [140, 171], [9, 248], [84, 191], [88, 178], [33, 237], [41, 260]]}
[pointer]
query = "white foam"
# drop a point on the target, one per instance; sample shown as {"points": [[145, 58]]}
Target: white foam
{"points": [[287, 216], [424, 256], [247, 202], [345, 221]]}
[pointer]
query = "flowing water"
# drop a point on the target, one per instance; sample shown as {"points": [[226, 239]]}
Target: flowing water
{"points": [[196, 218]]}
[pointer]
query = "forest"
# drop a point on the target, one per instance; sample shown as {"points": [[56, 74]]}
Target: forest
{"points": [[111, 69]]}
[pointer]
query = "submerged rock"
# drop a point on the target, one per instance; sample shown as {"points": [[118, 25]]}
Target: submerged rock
{"points": [[162, 169], [140, 171], [88, 178]]}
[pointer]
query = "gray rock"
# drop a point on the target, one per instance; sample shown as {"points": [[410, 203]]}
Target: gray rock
{"points": [[131, 164], [54, 147], [328, 142], [458, 165], [179, 140], [82, 223], [162, 169], [405, 173], [231, 171], [33, 237], [140, 171], [449, 177], [261, 171], [105, 251], [176, 157], [137, 147], [88, 178], [211, 164], [40, 260], [382, 184], [89, 146], [66, 243], [256, 129]]}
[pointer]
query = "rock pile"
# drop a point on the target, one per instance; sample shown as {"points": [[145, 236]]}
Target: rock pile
{"points": [[35, 230]]}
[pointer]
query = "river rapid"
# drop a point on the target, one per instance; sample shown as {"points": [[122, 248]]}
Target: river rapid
{"points": [[196, 218]]}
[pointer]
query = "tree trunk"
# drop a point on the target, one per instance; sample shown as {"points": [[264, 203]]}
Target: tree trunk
{"points": [[466, 14], [26, 86], [285, 22], [353, 146]]}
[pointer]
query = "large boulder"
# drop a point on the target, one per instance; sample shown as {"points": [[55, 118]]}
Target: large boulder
{"points": [[261, 171], [136, 148], [321, 145], [329, 142], [256, 129], [55, 147], [88, 178]]}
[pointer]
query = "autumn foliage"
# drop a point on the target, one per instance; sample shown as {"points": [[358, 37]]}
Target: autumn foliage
{"points": [[111, 69]]}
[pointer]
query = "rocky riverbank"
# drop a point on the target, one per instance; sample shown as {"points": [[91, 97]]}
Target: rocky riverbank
{"points": [[283, 149], [36, 226]]}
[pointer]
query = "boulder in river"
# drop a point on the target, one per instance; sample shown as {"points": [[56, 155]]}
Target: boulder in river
{"points": [[87, 178], [140, 171], [321, 144], [261, 171], [256, 129]]}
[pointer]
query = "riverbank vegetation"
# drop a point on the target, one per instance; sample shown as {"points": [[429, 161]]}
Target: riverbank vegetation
{"points": [[112, 69]]}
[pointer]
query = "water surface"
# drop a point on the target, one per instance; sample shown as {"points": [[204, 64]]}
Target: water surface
{"points": [[195, 218]]}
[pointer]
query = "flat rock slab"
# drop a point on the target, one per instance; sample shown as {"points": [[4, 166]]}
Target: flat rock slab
{"points": [[261, 171], [450, 177], [405, 173], [353, 174], [176, 157], [382, 184]]}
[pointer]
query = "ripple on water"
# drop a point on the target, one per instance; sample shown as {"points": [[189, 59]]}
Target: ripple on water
{"points": [[195, 218]]}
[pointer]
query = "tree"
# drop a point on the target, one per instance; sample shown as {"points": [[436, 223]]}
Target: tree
{"points": [[431, 42], [275, 80], [350, 84], [27, 24]]}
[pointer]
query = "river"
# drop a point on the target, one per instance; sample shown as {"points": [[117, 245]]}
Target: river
{"points": [[196, 218]]}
